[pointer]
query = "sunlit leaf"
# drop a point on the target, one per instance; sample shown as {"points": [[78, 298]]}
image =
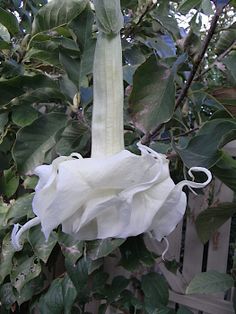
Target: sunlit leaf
{"points": [[57, 13], [210, 282]]}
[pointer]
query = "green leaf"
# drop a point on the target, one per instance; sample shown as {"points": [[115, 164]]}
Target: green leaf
{"points": [[39, 95], [225, 170], [7, 295], [20, 208], [4, 36], [9, 182], [82, 28], [70, 65], [155, 289], [9, 20], [75, 138], [33, 142], [186, 5], [211, 219], [71, 248], [57, 13], [24, 271], [59, 298], [210, 282], [134, 253], [152, 100], [79, 274], [204, 149], [230, 62], [7, 252], [101, 248], [24, 115], [226, 39], [41, 247], [118, 284], [31, 288], [20, 85]]}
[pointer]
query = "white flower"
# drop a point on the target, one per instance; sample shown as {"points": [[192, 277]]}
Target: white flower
{"points": [[114, 193], [115, 196]]}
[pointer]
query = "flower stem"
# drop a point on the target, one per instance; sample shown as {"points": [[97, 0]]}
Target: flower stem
{"points": [[107, 122]]}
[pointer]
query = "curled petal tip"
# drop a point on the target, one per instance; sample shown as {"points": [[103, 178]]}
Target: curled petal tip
{"points": [[204, 170], [15, 238], [18, 231], [163, 255]]}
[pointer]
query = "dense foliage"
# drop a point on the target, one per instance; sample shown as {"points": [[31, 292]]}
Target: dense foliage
{"points": [[179, 77]]}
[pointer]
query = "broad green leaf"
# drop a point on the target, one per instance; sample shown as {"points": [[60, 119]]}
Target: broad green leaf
{"points": [[118, 285], [31, 288], [133, 55], [9, 182], [101, 248], [82, 28], [152, 100], [71, 248], [24, 115], [20, 85], [226, 39], [9, 20], [39, 95], [186, 5], [211, 219], [225, 170], [20, 208], [71, 66], [42, 248], [99, 281], [7, 296], [4, 35], [204, 149], [134, 254], [59, 298], [24, 271], [33, 142], [225, 95], [79, 274], [155, 289], [230, 62], [57, 13], [75, 138], [167, 23], [7, 252], [210, 282]]}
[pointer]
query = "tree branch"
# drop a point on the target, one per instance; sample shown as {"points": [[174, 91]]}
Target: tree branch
{"points": [[149, 135]]}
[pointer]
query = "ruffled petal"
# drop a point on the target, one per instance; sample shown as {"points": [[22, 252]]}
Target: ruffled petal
{"points": [[115, 196]]}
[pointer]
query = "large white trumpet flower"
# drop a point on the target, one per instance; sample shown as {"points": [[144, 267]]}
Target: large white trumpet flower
{"points": [[115, 193]]}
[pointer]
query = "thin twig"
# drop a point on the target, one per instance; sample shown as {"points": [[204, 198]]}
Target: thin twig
{"points": [[129, 30], [164, 139], [218, 59], [149, 135]]}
